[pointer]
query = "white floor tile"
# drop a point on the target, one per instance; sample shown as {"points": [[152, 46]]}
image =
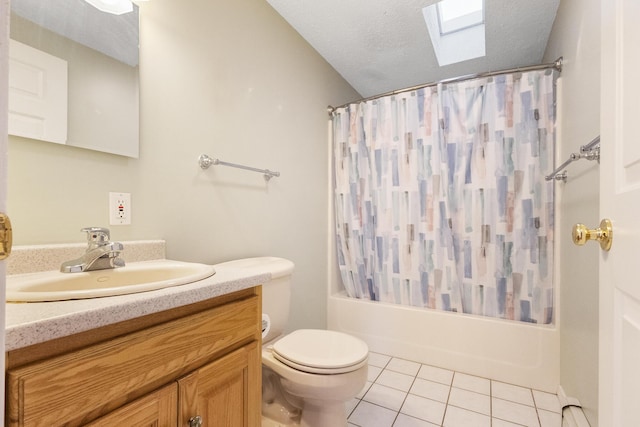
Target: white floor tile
{"points": [[404, 366], [364, 390], [402, 393], [472, 383], [395, 380], [512, 393], [439, 375], [547, 401], [514, 412], [373, 372], [407, 421], [425, 409], [369, 415], [379, 360], [458, 417], [470, 400], [385, 396], [549, 419], [430, 390], [351, 405], [495, 422]]}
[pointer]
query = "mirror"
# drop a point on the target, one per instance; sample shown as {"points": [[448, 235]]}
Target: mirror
{"points": [[101, 55]]}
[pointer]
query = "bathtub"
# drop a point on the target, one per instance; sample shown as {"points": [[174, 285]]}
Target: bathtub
{"points": [[513, 352]]}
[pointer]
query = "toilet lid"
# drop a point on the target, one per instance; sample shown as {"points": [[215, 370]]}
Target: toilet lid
{"points": [[320, 351]]}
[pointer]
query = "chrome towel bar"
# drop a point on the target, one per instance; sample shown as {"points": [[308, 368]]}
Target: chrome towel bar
{"points": [[206, 161], [591, 151]]}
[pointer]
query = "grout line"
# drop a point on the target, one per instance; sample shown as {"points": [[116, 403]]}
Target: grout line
{"points": [[447, 403], [406, 395], [354, 408], [535, 406], [491, 401]]}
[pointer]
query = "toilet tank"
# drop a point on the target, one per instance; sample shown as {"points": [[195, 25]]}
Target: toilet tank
{"points": [[276, 293]]}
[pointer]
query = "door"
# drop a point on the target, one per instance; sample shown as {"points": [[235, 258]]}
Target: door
{"points": [[4, 116], [226, 392], [619, 376]]}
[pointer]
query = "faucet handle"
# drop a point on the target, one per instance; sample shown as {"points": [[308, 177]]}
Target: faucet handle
{"points": [[97, 236]]}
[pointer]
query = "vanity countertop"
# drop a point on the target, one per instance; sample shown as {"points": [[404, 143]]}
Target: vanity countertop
{"points": [[33, 323]]}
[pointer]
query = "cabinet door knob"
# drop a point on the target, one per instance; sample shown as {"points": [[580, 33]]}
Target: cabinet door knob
{"points": [[195, 421], [581, 234]]}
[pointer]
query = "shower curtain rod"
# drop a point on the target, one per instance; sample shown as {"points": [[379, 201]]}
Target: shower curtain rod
{"points": [[557, 64]]}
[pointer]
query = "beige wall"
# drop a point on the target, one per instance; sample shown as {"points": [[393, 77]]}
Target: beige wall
{"points": [[576, 37], [226, 78]]}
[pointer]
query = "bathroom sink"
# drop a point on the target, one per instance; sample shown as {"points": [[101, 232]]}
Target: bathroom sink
{"points": [[133, 278]]}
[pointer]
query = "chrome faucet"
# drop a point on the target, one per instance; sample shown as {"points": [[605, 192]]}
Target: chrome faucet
{"points": [[100, 254]]}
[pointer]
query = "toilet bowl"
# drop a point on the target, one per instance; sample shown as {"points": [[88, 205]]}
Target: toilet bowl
{"points": [[309, 374], [318, 371]]}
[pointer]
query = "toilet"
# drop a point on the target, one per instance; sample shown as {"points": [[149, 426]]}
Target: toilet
{"points": [[309, 374]]}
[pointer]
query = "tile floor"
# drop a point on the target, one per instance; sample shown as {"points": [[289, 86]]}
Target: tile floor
{"points": [[401, 393]]}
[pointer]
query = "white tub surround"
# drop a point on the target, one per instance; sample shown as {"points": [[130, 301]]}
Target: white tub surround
{"points": [[508, 351], [33, 323]]}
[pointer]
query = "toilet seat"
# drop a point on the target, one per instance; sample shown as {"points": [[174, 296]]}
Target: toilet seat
{"points": [[321, 352]]}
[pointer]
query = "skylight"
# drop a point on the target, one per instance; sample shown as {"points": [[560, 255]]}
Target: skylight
{"points": [[456, 28], [456, 15]]}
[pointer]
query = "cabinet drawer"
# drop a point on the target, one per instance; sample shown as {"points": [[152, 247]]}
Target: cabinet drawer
{"points": [[78, 387]]}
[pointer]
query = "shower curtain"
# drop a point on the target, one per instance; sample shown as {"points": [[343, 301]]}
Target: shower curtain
{"points": [[440, 197]]}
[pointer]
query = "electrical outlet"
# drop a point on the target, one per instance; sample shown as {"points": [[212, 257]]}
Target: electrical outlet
{"points": [[119, 208]]}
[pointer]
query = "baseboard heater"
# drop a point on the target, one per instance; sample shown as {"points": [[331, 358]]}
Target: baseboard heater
{"points": [[572, 414]]}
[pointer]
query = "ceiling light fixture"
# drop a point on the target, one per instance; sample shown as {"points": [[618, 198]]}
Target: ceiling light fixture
{"points": [[115, 7]]}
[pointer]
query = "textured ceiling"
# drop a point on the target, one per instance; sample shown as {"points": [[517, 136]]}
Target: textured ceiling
{"points": [[383, 45]]}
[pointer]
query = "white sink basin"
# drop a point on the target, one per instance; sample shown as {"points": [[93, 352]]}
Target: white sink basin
{"points": [[133, 278]]}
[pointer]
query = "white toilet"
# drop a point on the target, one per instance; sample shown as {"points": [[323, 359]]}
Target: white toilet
{"points": [[308, 374]]}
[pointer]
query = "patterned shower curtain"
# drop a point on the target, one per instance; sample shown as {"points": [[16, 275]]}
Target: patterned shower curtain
{"points": [[441, 200]]}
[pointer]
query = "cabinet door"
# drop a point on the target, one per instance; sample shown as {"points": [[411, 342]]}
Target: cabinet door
{"points": [[158, 409], [226, 392]]}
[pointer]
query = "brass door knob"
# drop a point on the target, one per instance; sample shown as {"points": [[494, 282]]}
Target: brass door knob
{"points": [[6, 236], [581, 234]]}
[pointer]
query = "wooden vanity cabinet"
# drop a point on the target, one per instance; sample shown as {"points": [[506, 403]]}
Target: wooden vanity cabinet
{"points": [[160, 370]]}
